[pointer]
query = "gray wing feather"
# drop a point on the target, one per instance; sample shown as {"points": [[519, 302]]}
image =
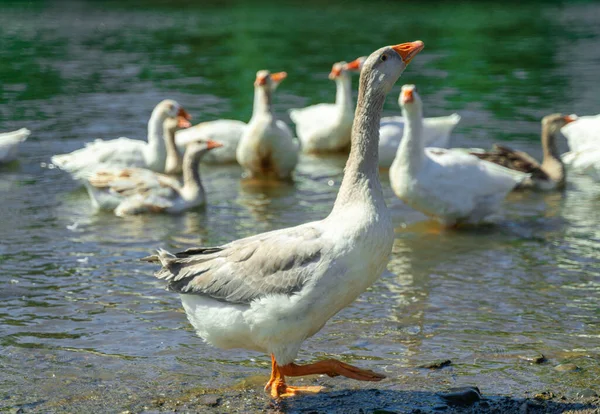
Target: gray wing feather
{"points": [[278, 262]]}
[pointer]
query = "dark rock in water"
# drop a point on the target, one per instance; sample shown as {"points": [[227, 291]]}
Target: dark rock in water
{"points": [[436, 364], [567, 368], [546, 395], [440, 408], [210, 400], [587, 393], [462, 396], [528, 407], [381, 411]]}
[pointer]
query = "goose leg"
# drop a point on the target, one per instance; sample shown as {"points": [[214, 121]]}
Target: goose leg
{"points": [[279, 389], [332, 368]]}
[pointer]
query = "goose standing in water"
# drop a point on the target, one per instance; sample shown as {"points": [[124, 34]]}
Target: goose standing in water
{"points": [[124, 152], [450, 185], [272, 291], [550, 174], [131, 191], [9, 144], [267, 148], [327, 127]]}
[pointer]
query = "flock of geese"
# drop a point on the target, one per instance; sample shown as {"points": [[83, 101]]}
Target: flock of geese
{"points": [[272, 291]]}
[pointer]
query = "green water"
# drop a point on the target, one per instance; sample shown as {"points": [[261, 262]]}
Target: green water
{"points": [[79, 313]]}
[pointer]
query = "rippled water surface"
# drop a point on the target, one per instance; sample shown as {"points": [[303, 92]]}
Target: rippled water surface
{"points": [[83, 324]]}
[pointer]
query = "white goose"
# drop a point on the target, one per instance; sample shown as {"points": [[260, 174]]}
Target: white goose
{"points": [[272, 291], [327, 127], [267, 147], [131, 191], [9, 144], [450, 185], [124, 152], [436, 133], [583, 132], [226, 131], [583, 136]]}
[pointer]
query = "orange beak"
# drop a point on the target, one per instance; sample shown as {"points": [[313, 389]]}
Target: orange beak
{"points": [[336, 71], [407, 96], [184, 114], [183, 123], [210, 144], [409, 50], [260, 81], [570, 118], [354, 65], [279, 76]]}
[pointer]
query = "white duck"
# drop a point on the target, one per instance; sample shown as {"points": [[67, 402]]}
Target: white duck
{"points": [[267, 148], [226, 131], [272, 291], [436, 133], [450, 185], [130, 191], [583, 136], [124, 152], [9, 144], [327, 127]]}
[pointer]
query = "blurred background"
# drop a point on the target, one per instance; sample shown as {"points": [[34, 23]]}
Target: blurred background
{"points": [[83, 325]]}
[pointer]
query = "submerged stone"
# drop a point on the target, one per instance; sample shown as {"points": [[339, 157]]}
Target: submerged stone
{"points": [[462, 396]]}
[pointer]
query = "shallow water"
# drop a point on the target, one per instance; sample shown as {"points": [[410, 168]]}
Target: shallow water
{"points": [[83, 324]]}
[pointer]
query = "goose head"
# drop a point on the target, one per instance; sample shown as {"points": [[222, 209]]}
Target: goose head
{"points": [[356, 65], [267, 80], [409, 100], [171, 109], [554, 122], [196, 149], [384, 66]]}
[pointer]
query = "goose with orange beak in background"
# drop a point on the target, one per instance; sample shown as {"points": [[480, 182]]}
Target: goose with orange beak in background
{"points": [[272, 291], [452, 186], [327, 127], [131, 191], [267, 148], [125, 152], [550, 174]]}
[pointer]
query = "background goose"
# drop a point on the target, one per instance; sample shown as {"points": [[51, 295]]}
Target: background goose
{"points": [[550, 174], [436, 133], [583, 132], [327, 127], [267, 147], [124, 152], [271, 291], [9, 143], [226, 131], [450, 185], [137, 190], [583, 136]]}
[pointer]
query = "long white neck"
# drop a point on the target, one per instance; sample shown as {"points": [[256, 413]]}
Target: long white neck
{"points": [[173, 157], [361, 175], [343, 93], [411, 150], [192, 189], [262, 101], [156, 153]]}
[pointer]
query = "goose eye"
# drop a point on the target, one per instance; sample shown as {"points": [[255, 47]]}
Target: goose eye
{"points": [[383, 58]]}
